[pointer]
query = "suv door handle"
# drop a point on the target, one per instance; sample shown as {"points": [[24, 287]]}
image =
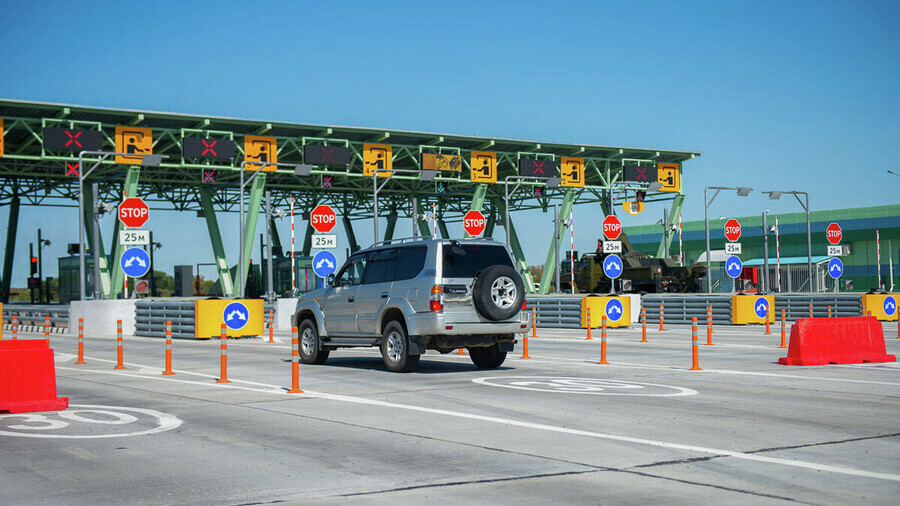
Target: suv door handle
{"points": [[384, 295], [350, 299]]}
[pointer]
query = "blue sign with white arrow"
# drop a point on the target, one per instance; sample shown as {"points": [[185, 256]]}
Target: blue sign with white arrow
{"points": [[835, 267], [324, 263], [612, 266], [733, 266], [761, 307], [135, 262], [614, 309], [890, 305], [236, 315]]}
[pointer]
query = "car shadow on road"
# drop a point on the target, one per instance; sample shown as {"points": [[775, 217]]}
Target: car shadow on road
{"points": [[426, 366]]}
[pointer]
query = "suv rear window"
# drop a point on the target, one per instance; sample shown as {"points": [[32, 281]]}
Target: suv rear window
{"points": [[464, 260]]}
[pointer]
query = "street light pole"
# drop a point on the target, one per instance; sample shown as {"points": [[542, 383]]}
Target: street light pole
{"points": [[742, 191], [424, 175], [775, 195]]}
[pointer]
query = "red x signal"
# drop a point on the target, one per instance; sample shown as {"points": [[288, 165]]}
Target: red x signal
{"points": [[209, 148], [538, 168], [209, 176], [73, 139], [72, 169]]}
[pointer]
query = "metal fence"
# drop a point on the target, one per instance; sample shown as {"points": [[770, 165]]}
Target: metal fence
{"points": [[794, 278], [151, 317], [680, 308], [33, 315], [557, 311]]}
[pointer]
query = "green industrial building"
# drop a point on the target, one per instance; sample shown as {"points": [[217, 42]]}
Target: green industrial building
{"points": [[861, 228]]}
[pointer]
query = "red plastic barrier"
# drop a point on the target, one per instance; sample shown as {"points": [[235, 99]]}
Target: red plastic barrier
{"points": [[821, 341], [28, 378]]}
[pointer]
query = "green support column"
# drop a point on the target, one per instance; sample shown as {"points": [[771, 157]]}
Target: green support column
{"points": [[442, 227], [96, 250], [250, 219], [307, 239], [351, 236], [9, 254], [215, 238], [519, 255], [276, 239], [118, 277], [391, 225], [491, 221], [550, 263], [663, 250]]}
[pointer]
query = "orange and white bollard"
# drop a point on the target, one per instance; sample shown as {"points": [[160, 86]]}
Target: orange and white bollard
{"points": [[643, 325], [810, 309], [588, 316], [661, 318], [525, 347], [460, 351], [868, 313], [80, 342], [829, 310], [120, 352], [768, 331], [15, 328], [47, 330], [271, 326], [603, 341], [223, 356], [295, 362], [168, 371], [709, 328], [783, 331], [533, 321], [695, 353]]}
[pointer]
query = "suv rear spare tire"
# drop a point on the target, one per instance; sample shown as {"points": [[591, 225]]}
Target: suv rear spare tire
{"points": [[498, 292]]}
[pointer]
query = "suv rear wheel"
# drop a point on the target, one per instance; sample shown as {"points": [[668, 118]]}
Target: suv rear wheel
{"points": [[311, 351], [498, 292], [489, 357], [395, 349]]}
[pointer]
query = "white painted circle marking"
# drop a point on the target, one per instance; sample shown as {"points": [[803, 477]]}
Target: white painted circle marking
{"points": [[52, 421], [590, 386]]}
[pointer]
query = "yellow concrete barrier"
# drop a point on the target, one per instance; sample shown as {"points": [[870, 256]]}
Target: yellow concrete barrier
{"points": [[242, 317], [743, 308], [879, 305], [617, 315]]}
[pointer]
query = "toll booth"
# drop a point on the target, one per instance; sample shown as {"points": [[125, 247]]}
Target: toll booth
{"points": [[68, 278], [306, 279]]}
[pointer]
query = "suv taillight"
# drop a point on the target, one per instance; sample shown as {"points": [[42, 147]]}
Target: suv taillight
{"points": [[524, 305], [435, 303]]}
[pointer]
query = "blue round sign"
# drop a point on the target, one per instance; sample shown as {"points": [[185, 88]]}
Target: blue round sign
{"points": [[135, 262], [614, 309], [835, 267], [733, 266], [890, 305], [761, 307], [612, 266], [236, 315], [324, 263]]}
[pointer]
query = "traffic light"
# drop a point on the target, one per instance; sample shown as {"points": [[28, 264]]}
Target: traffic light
{"points": [[34, 266]]}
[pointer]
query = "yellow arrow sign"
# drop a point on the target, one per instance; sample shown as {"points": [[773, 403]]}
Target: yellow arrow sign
{"points": [[633, 208]]}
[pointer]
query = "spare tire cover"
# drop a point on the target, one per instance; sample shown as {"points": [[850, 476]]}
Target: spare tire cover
{"points": [[498, 292]]}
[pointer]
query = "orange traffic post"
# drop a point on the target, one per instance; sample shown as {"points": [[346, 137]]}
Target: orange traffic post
{"points": [[603, 341], [588, 316], [768, 331], [271, 326], [168, 371], [709, 327], [829, 310], [460, 351], [223, 356], [661, 318], [783, 331], [295, 362], [643, 325], [15, 328], [810, 309], [868, 313], [80, 342], [898, 330], [525, 347], [695, 353], [533, 321], [119, 347], [47, 330]]}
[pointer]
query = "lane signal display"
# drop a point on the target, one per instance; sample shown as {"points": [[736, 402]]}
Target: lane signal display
{"points": [[483, 166], [432, 161], [639, 174], [538, 168], [133, 140], [72, 139], [262, 149], [316, 154], [217, 149], [572, 172], [377, 157]]}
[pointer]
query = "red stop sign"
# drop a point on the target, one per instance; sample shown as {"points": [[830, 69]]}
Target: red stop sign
{"points": [[133, 212], [732, 230], [612, 227], [834, 233], [323, 219], [474, 222]]}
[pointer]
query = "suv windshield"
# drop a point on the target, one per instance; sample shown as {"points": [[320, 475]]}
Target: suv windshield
{"points": [[464, 260]]}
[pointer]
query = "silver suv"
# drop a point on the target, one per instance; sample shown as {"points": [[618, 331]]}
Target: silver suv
{"points": [[415, 295]]}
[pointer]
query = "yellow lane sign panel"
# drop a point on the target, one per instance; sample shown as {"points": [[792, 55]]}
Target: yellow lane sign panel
{"points": [[633, 208], [669, 175], [377, 157], [1, 136], [262, 149], [431, 161], [133, 140], [484, 167], [572, 171]]}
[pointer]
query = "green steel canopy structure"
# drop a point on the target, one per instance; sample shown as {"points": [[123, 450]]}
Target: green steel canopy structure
{"points": [[34, 171]]}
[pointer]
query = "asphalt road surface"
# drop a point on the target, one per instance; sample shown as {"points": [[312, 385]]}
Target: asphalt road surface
{"points": [[556, 428]]}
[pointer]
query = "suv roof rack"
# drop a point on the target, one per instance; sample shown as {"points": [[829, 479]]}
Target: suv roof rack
{"points": [[404, 240]]}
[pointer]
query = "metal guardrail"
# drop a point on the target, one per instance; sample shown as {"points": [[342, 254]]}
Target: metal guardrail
{"points": [[151, 316], [35, 314], [679, 308], [557, 311], [797, 305]]}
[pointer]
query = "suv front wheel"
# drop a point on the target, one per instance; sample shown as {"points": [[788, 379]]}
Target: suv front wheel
{"points": [[395, 349], [311, 351]]}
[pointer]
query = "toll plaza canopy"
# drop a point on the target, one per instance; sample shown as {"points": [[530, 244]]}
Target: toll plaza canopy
{"points": [[203, 157]]}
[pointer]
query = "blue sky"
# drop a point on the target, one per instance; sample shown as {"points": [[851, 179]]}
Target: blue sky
{"points": [[776, 95]]}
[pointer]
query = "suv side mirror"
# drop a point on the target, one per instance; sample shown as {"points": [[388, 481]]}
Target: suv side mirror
{"points": [[331, 280]]}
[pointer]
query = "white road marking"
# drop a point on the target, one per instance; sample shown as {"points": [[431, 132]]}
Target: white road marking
{"points": [[586, 386], [517, 423], [165, 421]]}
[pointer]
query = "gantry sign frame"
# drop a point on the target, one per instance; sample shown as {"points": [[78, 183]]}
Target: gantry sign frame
{"points": [[32, 174]]}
